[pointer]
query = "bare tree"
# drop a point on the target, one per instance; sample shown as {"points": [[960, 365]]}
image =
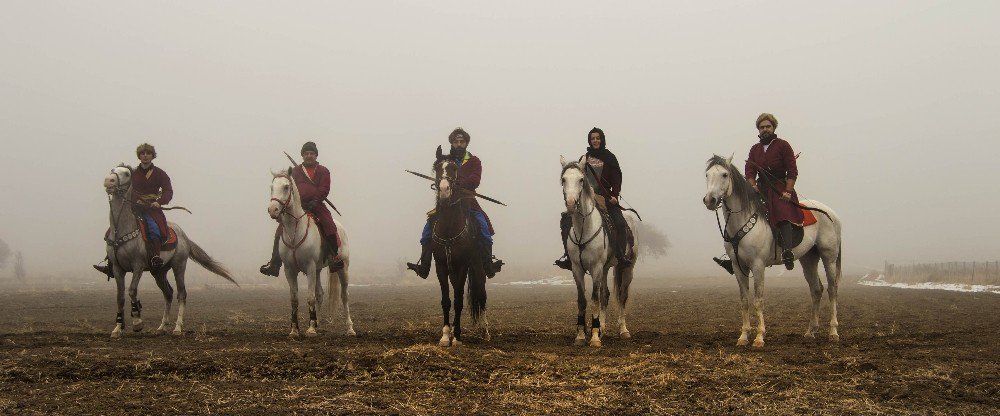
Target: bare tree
{"points": [[652, 242], [4, 254], [19, 266]]}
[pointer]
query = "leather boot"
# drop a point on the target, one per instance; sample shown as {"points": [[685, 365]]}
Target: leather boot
{"points": [[272, 267], [422, 267], [105, 268], [491, 264], [564, 224], [621, 244], [725, 263], [336, 263], [155, 262], [785, 231]]}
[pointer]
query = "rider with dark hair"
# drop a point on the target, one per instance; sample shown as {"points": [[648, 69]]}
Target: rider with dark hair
{"points": [[604, 175], [313, 182], [772, 171], [470, 173]]}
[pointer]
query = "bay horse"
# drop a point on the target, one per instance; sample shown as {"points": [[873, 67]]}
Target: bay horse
{"points": [[302, 250], [454, 247], [750, 243], [127, 253], [589, 249]]}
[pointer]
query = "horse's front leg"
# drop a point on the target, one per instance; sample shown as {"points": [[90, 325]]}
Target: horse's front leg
{"points": [[833, 273], [596, 308], [120, 298], [291, 275], [458, 280], [581, 304], [312, 275], [744, 283], [446, 335], [133, 294], [758, 303]]}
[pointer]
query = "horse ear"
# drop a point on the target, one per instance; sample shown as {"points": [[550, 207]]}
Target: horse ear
{"points": [[439, 155], [562, 161], [289, 171], [730, 159]]}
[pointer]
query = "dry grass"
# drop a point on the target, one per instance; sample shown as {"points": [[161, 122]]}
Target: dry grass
{"points": [[903, 352]]}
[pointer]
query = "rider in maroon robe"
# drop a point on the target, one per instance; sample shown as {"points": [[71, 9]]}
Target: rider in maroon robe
{"points": [[313, 182], [772, 171]]}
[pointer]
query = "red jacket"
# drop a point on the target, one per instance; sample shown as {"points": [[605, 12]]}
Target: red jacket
{"points": [[146, 185], [470, 173], [315, 194], [775, 166]]}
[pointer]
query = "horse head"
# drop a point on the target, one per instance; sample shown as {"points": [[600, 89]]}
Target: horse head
{"points": [[282, 188], [573, 181], [719, 181], [119, 180], [445, 175]]}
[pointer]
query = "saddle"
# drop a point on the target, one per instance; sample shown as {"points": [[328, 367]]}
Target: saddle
{"points": [[795, 238], [609, 228], [168, 245]]}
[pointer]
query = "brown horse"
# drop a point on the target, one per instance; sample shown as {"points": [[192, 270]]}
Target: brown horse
{"points": [[454, 247]]}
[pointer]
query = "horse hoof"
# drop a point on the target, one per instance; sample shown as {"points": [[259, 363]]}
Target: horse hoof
{"points": [[596, 343], [311, 332], [579, 342], [487, 337], [834, 338], [456, 343], [626, 335], [809, 334], [294, 334], [177, 332], [444, 342], [742, 342], [758, 343], [137, 325], [351, 333], [160, 331], [117, 333]]}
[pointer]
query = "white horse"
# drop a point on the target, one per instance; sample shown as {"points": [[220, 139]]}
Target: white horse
{"points": [[589, 250], [301, 250], [127, 253], [755, 247]]}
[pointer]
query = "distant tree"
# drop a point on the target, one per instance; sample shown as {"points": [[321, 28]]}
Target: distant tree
{"points": [[652, 242], [19, 266], [4, 254]]}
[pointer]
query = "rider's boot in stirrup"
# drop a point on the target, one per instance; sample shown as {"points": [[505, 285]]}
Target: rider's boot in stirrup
{"points": [[785, 230], [105, 268], [423, 267], [272, 267], [725, 263], [564, 224], [336, 263]]}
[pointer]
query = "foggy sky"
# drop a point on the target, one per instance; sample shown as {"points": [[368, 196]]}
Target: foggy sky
{"points": [[893, 105]]}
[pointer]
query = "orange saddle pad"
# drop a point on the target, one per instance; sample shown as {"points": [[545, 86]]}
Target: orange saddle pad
{"points": [[808, 218], [171, 239]]}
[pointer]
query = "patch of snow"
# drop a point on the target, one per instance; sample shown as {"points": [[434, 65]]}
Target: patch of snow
{"points": [[550, 281], [955, 287]]}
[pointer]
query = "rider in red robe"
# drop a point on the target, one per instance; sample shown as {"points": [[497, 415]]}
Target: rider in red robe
{"points": [[313, 182]]}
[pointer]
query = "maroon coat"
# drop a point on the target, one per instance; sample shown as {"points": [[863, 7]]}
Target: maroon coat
{"points": [[772, 169], [149, 185], [470, 173], [315, 194]]}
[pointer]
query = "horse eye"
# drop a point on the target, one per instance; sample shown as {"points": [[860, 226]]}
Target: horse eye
{"points": [[725, 175]]}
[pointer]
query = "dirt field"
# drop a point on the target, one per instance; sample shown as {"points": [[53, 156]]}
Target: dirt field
{"points": [[902, 352]]}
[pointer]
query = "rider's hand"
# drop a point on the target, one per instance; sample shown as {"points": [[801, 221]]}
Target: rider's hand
{"points": [[787, 196], [613, 201], [754, 186], [154, 204]]}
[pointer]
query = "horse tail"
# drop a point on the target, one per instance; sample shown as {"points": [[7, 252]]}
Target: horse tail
{"points": [[477, 293], [201, 257]]}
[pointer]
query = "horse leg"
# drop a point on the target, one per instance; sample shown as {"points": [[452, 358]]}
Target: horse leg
{"points": [[832, 266], [581, 305], [458, 286], [168, 299], [446, 335], [120, 298], [182, 295], [344, 280], [810, 264], [312, 279], [595, 305], [293, 292], [758, 303], [744, 283], [605, 299], [133, 294]]}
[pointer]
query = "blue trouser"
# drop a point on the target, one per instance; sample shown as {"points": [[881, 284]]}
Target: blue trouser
{"points": [[152, 230], [484, 229]]}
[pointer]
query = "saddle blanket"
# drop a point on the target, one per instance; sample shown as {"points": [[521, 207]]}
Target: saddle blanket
{"points": [[808, 218]]}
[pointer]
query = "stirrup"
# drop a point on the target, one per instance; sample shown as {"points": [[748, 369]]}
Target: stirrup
{"points": [[421, 271], [336, 263], [155, 263], [106, 269], [788, 258], [725, 263]]}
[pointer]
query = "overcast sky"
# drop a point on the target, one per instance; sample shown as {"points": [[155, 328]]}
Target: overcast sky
{"points": [[893, 105]]}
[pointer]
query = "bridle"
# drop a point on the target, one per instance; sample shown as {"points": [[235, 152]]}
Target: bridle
{"points": [[121, 191], [578, 241], [734, 240], [284, 211]]}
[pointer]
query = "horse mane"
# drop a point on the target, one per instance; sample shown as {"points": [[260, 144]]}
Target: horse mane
{"points": [[123, 165], [741, 187]]}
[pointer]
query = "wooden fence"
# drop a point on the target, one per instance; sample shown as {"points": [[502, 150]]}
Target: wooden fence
{"points": [[967, 272]]}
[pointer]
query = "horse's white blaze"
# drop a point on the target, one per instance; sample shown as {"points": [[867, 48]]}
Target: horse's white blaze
{"points": [[444, 186]]}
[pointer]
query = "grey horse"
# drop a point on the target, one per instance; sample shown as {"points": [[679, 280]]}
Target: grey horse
{"points": [[127, 253]]}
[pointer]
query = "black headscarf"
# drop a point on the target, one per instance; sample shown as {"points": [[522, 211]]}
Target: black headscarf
{"points": [[602, 153], [765, 139]]}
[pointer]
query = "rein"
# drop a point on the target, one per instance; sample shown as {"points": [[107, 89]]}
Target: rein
{"points": [[284, 211]]}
